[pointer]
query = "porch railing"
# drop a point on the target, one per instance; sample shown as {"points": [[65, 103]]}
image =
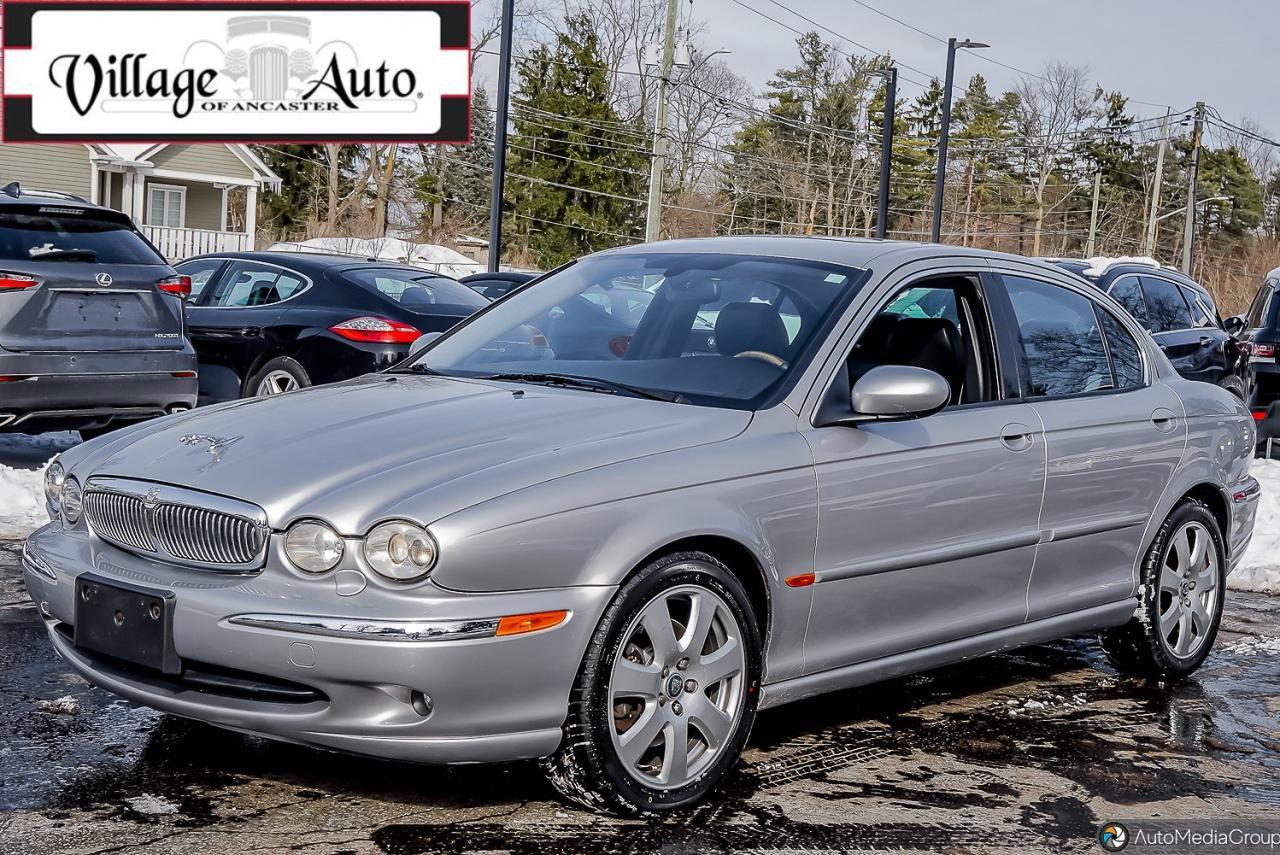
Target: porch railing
{"points": [[177, 244]]}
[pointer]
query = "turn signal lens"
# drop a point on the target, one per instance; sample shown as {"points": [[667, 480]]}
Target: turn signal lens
{"points": [[313, 547], [376, 330], [400, 551], [16, 281], [520, 624], [179, 285], [801, 580]]}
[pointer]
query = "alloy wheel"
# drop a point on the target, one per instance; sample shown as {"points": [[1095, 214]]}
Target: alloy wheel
{"points": [[1188, 595], [677, 687], [277, 383]]}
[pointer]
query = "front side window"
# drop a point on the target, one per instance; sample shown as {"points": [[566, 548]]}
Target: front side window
{"points": [[55, 233], [166, 206], [247, 283], [1261, 300], [1060, 337], [721, 330], [1165, 305]]}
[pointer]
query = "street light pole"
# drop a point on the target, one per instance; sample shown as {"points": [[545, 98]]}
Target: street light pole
{"points": [[500, 136], [1189, 226], [886, 148], [944, 137]]}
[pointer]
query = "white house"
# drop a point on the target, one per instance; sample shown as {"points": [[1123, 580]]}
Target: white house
{"points": [[178, 194]]}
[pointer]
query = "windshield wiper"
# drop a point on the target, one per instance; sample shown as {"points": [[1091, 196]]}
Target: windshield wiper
{"points": [[589, 384], [63, 255], [418, 368]]}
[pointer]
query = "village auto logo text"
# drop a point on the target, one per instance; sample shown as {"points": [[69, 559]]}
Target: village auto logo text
{"points": [[241, 71]]}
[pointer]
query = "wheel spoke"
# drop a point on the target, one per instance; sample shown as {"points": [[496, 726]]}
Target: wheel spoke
{"points": [[1169, 619], [1200, 614], [717, 665], [636, 741], [656, 621], [1207, 579], [1199, 547], [1182, 550], [675, 759], [1170, 580], [633, 680], [1183, 647], [711, 721], [702, 613]]}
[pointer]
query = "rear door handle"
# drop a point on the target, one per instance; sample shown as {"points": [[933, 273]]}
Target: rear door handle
{"points": [[1164, 420], [1017, 437]]}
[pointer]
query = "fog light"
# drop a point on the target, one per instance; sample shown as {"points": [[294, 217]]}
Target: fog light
{"points": [[421, 703]]}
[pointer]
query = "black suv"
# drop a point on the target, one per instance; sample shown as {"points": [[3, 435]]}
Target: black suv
{"points": [[1259, 330], [1181, 316], [91, 323]]}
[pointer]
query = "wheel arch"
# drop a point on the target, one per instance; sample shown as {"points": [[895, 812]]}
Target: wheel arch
{"points": [[1213, 496]]}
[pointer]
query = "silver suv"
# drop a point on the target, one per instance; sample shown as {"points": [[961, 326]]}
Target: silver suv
{"points": [[91, 327], [800, 465]]}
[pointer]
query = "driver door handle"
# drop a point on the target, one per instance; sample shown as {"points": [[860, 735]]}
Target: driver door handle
{"points": [[1205, 340], [1017, 437]]}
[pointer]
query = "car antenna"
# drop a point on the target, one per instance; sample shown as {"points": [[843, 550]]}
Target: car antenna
{"points": [[13, 188]]}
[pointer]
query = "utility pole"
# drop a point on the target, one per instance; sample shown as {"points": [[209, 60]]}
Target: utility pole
{"points": [[1093, 216], [886, 149], [653, 217], [500, 136], [1149, 245], [1189, 226], [940, 183]]}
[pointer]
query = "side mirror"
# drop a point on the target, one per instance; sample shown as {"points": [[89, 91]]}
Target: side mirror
{"points": [[420, 343], [898, 392], [1235, 324]]}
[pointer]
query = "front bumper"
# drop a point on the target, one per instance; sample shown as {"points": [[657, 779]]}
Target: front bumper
{"points": [[67, 390], [491, 698]]}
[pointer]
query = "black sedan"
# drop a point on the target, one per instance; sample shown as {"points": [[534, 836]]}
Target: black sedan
{"points": [[264, 323]]}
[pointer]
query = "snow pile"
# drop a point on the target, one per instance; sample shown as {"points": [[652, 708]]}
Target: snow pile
{"points": [[149, 805], [21, 502], [429, 256], [1099, 264], [1260, 568], [65, 705]]}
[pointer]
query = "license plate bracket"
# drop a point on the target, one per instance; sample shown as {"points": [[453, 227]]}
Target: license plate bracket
{"points": [[127, 622]]}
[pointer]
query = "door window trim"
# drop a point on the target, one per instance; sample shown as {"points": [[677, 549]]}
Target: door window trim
{"points": [[1122, 316], [306, 284]]}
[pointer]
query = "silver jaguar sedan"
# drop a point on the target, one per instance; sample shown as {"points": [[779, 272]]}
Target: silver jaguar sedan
{"points": [[616, 513]]}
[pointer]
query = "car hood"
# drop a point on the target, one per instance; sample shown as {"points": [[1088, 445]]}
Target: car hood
{"points": [[399, 445]]}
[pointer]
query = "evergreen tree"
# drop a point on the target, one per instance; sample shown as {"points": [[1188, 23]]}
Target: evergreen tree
{"points": [[303, 173]]}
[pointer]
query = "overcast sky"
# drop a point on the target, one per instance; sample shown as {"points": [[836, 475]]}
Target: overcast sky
{"points": [[1172, 52]]}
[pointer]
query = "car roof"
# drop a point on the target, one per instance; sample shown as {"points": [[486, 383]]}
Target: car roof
{"points": [[499, 276], [14, 193], [312, 262], [1124, 268]]}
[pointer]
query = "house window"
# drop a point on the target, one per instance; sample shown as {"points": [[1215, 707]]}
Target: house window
{"points": [[166, 205]]}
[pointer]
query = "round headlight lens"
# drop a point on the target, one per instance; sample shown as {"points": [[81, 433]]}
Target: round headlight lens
{"points": [[313, 546], [71, 496], [54, 475], [400, 551]]}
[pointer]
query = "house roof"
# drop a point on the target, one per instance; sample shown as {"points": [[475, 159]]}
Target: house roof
{"points": [[143, 152]]}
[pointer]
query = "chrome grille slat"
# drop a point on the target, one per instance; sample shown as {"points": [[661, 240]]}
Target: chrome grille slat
{"points": [[171, 523]]}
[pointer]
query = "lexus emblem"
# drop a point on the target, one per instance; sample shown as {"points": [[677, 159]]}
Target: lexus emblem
{"points": [[103, 279]]}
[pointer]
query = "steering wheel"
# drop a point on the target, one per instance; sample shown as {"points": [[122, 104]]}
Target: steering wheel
{"points": [[776, 361]]}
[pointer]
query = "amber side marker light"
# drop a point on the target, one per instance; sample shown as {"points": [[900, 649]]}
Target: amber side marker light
{"points": [[803, 580], [520, 624]]}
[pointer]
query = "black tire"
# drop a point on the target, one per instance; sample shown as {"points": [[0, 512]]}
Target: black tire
{"points": [[586, 768], [1235, 386], [1138, 648], [283, 364]]}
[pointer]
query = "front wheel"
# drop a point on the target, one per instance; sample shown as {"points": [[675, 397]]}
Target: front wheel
{"points": [[666, 694], [1183, 583]]}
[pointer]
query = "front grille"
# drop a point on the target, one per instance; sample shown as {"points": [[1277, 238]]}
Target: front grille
{"points": [[177, 525], [119, 518], [198, 534]]}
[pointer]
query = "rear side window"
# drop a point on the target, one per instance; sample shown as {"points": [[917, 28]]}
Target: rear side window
{"points": [[248, 283], [1060, 339], [1201, 315], [200, 273], [1258, 308], [1165, 305], [1128, 293], [415, 289], [1126, 358], [52, 233]]}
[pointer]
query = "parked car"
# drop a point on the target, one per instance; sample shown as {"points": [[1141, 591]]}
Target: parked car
{"points": [[497, 284], [91, 331], [612, 562], [1259, 333], [264, 323], [1182, 316]]}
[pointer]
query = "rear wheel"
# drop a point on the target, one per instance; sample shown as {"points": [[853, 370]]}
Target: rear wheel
{"points": [[1235, 386], [666, 695], [276, 377], [1183, 583]]}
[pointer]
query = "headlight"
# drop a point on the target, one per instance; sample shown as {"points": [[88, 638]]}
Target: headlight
{"points": [[313, 546], [400, 551], [71, 495], [54, 475]]}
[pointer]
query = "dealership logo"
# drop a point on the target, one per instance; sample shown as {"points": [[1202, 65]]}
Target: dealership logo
{"points": [[187, 70], [1113, 837]]}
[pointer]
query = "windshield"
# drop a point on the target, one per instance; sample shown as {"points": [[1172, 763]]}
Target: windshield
{"points": [[724, 330], [52, 233]]}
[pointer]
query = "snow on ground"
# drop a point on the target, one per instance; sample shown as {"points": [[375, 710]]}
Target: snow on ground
{"points": [[1260, 569]]}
